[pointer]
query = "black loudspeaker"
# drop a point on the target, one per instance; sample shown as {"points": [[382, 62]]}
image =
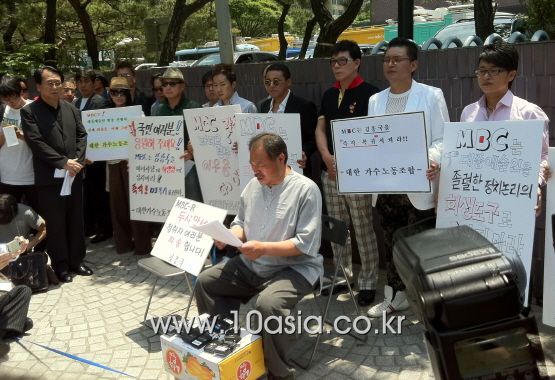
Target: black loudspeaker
{"points": [[469, 298]]}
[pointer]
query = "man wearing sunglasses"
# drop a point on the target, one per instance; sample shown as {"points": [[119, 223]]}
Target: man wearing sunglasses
{"points": [[125, 69], [173, 88], [346, 99], [404, 94], [277, 81]]}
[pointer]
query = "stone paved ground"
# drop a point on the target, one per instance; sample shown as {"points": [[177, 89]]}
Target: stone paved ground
{"points": [[98, 318]]}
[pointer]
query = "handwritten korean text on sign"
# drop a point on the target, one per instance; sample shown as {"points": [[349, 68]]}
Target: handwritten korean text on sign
{"points": [[489, 181], [156, 173], [180, 245], [212, 133]]}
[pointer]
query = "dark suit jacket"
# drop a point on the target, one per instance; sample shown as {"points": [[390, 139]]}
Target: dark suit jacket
{"points": [[144, 101], [95, 102], [54, 136], [307, 111]]}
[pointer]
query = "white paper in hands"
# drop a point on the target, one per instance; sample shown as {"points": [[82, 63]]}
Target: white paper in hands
{"points": [[10, 135], [68, 181], [217, 231]]}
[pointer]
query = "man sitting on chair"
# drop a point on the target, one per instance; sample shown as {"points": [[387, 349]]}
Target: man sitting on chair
{"points": [[279, 221]]}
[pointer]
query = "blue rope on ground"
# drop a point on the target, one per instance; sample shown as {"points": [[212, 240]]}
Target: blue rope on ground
{"points": [[77, 358]]}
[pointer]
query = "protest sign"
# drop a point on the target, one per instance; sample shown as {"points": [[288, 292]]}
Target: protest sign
{"points": [[108, 133], [212, 133], [548, 314], [180, 245], [286, 125], [489, 181], [156, 173], [381, 154]]}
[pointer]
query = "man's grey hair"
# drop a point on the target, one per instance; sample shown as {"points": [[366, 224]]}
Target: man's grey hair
{"points": [[273, 144]]}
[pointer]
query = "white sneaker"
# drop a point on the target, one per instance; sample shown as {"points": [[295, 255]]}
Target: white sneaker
{"points": [[389, 305]]}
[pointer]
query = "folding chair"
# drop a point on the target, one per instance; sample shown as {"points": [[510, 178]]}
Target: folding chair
{"points": [[335, 231], [162, 270]]}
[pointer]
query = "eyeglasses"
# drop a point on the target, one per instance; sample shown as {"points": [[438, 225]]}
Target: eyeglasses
{"points": [[117, 92], [341, 61], [274, 82], [491, 72], [170, 84], [394, 60], [52, 84], [125, 75]]}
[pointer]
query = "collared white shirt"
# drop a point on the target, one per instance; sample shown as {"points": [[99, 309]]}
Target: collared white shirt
{"points": [[246, 105], [282, 105]]}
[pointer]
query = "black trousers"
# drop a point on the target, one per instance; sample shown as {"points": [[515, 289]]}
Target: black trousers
{"points": [[64, 223], [14, 306], [97, 200]]}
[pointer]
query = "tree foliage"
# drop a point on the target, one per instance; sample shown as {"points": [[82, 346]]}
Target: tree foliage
{"points": [[331, 29], [181, 12], [255, 18], [541, 15]]}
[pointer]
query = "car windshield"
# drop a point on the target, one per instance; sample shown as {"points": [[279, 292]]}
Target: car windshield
{"points": [[209, 60], [463, 30]]}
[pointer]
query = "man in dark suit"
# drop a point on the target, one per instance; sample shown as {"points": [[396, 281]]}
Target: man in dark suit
{"points": [[98, 221], [277, 81], [56, 136]]}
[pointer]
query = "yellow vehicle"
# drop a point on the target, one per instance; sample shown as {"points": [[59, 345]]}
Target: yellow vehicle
{"points": [[365, 35], [270, 43]]}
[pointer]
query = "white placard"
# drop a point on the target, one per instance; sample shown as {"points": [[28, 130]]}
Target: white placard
{"points": [[180, 245], [489, 181], [212, 133], [156, 173], [548, 312], [381, 154], [108, 132], [286, 125]]}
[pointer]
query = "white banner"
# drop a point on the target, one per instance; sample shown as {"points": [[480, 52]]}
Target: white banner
{"points": [[212, 133], [156, 173], [108, 132], [180, 245], [381, 154], [548, 317], [489, 181], [286, 125]]}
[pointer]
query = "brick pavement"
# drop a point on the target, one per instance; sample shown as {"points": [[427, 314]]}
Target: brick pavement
{"points": [[98, 318]]}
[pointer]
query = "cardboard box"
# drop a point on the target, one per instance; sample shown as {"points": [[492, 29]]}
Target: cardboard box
{"points": [[183, 361]]}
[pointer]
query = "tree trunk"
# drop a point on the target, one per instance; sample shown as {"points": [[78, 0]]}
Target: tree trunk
{"points": [[307, 36], [281, 31], [50, 32], [181, 11], [11, 28], [88, 30], [331, 29], [483, 16]]}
